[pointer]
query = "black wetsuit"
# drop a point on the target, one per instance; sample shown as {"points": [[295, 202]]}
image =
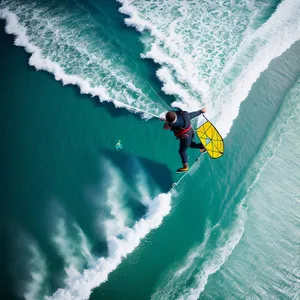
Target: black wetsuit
{"points": [[186, 140]]}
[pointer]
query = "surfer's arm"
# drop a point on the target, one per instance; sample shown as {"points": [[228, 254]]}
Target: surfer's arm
{"points": [[197, 113]]}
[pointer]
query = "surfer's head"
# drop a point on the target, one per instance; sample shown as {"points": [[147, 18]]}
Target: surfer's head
{"points": [[170, 116]]}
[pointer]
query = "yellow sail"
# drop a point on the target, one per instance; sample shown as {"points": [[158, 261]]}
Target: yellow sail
{"points": [[211, 139]]}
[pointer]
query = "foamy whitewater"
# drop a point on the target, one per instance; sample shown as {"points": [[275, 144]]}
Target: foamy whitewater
{"points": [[92, 65], [278, 199], [202, 262], [221, 87], [271, 230], [215, 64], [38, 271], [80, 286], [205, 60]]}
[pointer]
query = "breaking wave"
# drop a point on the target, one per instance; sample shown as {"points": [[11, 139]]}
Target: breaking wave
{"points": [[68, 46], [207, 56], [80, 286]]}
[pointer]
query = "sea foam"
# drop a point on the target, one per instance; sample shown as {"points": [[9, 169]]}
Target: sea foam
{"points": [[80, 287], [221, 254], [84, 63], [208, 60], [29, 268]]}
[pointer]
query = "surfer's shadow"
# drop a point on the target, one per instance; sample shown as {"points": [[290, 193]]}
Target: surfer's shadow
{"points": [[137, 171]]}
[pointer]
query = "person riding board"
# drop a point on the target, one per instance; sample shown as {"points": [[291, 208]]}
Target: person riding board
{"points": [[180, 123]]}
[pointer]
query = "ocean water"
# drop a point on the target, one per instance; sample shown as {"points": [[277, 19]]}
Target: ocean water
{"points": [[80, 220]]}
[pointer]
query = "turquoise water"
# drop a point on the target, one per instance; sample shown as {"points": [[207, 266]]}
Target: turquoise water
{"points": [[80, 220]]}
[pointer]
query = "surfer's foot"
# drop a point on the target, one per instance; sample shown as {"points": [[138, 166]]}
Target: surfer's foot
{"points": [[185, 168], [202, 150]]}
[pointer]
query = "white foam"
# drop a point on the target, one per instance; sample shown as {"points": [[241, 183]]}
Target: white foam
{"points": [[228, 75], [269, 45], [220, 256], [84, 244], [175, 283], [40, 63], [66, 249], [142, 187], [268, 244], [145, 188], [260, 165], [172, 52], [130, 96], [171, 88], [195, 253], [156, 53], [184, 38], [80, 287], [37, 273], [29, 266], [115, 190]]}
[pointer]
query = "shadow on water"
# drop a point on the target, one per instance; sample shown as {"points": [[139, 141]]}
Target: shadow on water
{"points": [[160, 173]]}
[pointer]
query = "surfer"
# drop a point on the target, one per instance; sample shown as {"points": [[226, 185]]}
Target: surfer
{"points": [[180, 123]]}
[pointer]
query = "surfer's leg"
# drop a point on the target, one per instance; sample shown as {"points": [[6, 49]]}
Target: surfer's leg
{"points": [[197, 146], [182, 151], [185, 142]]}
